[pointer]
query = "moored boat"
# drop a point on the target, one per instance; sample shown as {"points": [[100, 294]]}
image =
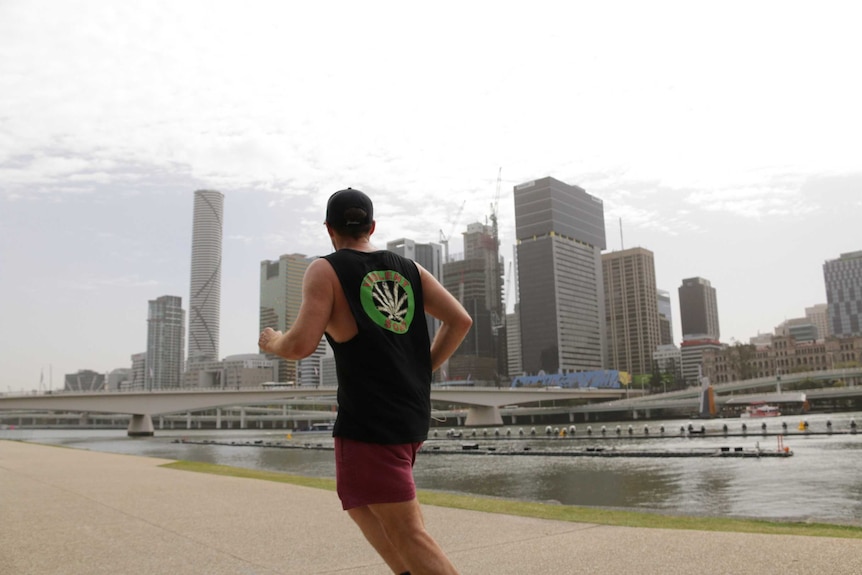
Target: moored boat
{"points": [[761, 410]]}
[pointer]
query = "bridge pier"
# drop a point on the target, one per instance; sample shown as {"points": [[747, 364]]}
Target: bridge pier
{"points": [[141, 425], [483, 415]]}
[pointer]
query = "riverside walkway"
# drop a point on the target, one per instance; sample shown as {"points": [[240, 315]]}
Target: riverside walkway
{"points": [[69, 512]]}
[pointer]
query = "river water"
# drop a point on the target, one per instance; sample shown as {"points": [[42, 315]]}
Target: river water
{"points": [[822, 481]]}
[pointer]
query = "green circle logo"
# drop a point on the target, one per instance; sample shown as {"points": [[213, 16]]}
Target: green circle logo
{"points": [[387, 298]]}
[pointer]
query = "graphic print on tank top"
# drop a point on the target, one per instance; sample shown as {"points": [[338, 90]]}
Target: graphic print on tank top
{"points": [[387, 298]]}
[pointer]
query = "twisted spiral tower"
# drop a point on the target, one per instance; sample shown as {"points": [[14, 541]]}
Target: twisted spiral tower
{"points": [[205, 296]]}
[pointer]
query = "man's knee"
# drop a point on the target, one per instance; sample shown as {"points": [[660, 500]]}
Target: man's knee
{"points": [[402, 521]]}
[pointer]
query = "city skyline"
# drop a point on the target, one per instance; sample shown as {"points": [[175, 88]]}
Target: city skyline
{"points": [[729, 160], [251, 349]]}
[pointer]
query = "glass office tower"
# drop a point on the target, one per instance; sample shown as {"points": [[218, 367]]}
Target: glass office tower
{"points": [[560, 234]]}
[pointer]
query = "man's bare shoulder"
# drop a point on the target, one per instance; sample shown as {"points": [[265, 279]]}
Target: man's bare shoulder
{"points": [[320, 270], [320, 264]]}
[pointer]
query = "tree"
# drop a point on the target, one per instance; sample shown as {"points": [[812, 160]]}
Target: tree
{"points": [[655, 381], [672, 376]]}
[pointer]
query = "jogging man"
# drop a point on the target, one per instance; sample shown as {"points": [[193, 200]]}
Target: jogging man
{"points": [[371, 306]]}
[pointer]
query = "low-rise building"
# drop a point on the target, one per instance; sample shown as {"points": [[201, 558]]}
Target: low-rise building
{"points": [[247, 370], [233, 372], [692, 353], [119, 378], [667, 357], [84, 380], [784, 355]]}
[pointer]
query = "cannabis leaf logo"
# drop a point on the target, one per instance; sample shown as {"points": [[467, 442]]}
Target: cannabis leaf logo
{"points": [[391, 300], [387, 298]]}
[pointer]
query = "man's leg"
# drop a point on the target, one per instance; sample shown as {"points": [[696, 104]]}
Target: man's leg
{"points": [[404, 527], [375, 534]]}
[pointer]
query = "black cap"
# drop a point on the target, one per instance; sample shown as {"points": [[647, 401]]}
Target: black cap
{"points": [[343, 200]]}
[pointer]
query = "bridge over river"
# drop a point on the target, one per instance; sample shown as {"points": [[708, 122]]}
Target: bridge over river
{"points": [[484, 403], [768, 389]]}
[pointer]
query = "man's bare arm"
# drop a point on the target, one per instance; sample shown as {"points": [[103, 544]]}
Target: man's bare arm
{"points": [[455, 320], [303, 337]]}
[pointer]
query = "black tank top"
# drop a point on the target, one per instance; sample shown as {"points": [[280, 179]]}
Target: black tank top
{"points": [[384, 372]]}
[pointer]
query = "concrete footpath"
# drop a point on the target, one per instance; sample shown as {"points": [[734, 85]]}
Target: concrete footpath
{"points": [[68, 512]]}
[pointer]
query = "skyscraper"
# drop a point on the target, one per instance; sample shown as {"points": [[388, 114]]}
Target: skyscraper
{"points": [[205, 296], [560, 234], [280, 300], [665, 317], [843, 279], [430, 257], [481, 242], [139, 371], [698, 309], [513, 343], [477, 282], [165, 328], [631, 304], [698, 312]]}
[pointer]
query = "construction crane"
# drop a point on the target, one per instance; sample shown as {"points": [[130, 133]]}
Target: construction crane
{"points": [[498, 309], [494, 204], [444, 239]]}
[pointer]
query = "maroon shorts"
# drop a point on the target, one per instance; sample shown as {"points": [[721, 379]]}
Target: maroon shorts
{"points": [[368, 473]]}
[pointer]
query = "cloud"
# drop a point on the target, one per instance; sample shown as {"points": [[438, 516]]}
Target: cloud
{"points": [[95, 284], [677, 208], [26, 171], [752, 202]]}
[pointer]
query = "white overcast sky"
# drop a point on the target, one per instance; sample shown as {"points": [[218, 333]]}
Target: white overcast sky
{"points": [[726, 136]]}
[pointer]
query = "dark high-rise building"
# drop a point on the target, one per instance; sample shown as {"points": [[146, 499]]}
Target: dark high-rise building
{"points": [[843, 279], [205, 296], [560, 234], [477, 282], [665, 317], [698, 309], [631, 304]]}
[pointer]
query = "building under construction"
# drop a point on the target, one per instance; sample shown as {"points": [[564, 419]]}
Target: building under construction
{"points": [[476, 280]]}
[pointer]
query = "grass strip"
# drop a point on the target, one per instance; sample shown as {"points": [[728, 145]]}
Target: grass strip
{"points": [[593, 515], [278, 477]]}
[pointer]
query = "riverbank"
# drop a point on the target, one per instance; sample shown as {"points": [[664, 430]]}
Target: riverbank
{"points": [[818, 484], [74, 512]]}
